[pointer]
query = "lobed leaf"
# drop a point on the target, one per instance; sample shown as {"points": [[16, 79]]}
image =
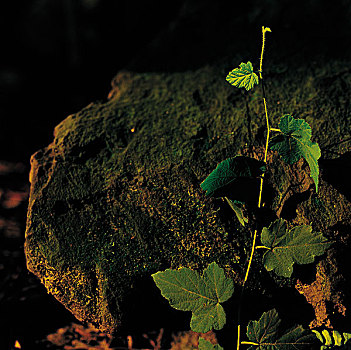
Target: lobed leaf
{"points": [[208, 317], [243, 76], [264, 330], [295, 142], [299, 245], [266, 334], [187, 290], [234, 178]]}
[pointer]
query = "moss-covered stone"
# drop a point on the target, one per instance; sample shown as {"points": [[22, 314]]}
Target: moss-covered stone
{"points": [[116, 196]]}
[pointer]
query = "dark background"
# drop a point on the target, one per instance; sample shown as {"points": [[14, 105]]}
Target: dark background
{"points": [[57, 56]]}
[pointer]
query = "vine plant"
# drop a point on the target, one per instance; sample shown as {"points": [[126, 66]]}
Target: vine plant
{"points": [[203, 294]]}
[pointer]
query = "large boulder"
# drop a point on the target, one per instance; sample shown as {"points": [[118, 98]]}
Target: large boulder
{"points": [[116, 196]]}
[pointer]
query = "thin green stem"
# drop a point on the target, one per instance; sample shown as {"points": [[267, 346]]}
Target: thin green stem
{"points": [[262, 247], [251, 256], [274, 129], [264, 30], [249, 343], [266, 147], [239, 331]]}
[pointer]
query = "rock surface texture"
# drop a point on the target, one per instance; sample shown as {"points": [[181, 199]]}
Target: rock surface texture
{"points": [[116, 196]]}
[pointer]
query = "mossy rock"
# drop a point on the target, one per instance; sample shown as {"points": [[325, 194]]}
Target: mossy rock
{"points": [[116, 196]]}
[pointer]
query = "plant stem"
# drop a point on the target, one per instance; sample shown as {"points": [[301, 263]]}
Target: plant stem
{"points": [[264, 30], [267, 140], [251, 256], [249, 343], [262, 247]]}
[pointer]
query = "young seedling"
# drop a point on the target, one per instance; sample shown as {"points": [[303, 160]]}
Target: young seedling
{"points": [[203, 294]]}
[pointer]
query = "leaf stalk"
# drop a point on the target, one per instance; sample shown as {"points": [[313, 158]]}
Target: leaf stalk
{"points": [[262, 247], [249, 343]]}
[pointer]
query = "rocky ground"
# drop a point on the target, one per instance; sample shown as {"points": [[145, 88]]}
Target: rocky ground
{"points": [[193, 34], [32, 319]]}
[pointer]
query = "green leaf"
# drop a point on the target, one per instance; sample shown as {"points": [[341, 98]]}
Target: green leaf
{"points": [[187, 290], [333, 340], [299, 245], [264, 330], [295, 143], [318, 335], [206, 345], [337, 338], [267, 335], [234, 178], [243, 76], [238, 210], [208, 317], [328, 338]]}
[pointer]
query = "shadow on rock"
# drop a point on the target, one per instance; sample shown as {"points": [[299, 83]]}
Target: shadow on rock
{"points": [[336, 172], [152, 310], [342, 283], [289, 210]]}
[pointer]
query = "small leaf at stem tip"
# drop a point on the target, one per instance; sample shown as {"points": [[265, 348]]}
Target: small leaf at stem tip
{"points": [[267, 29], [243, 77]]}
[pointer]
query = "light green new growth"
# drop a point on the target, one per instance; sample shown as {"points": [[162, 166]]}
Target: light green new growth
{"points": [[187, 290], [243, 77], [299, 245], [237, 208], [206, 345], [265, 334], [331, 340], [294, 142]]}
